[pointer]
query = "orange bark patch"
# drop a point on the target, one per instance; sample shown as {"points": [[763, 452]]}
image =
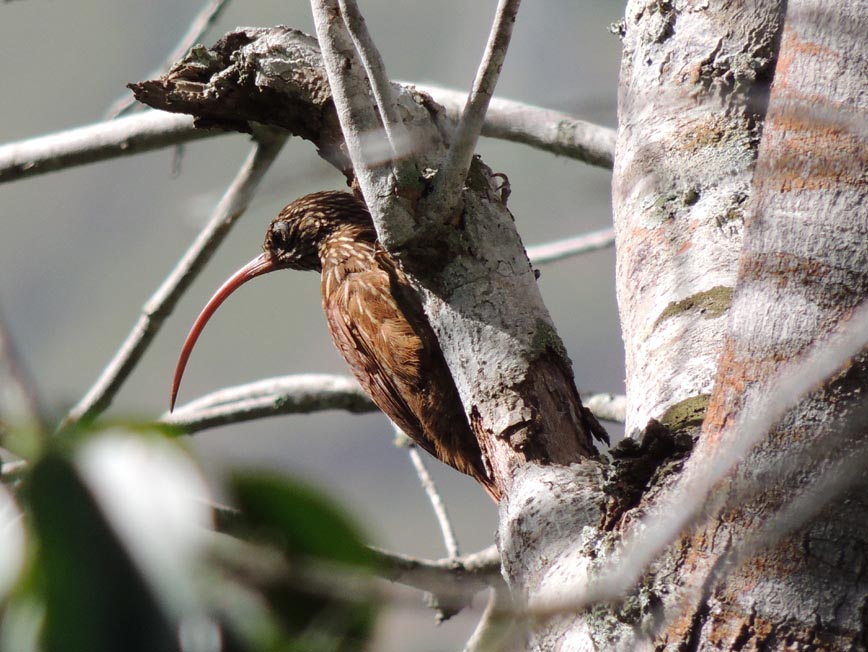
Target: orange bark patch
{"points": [[806, 151], [793, 47]]}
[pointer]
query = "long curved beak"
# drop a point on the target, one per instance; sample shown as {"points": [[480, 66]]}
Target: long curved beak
{"points": [[260, 265]]}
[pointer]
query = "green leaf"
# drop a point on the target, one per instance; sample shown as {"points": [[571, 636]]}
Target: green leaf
{"points": [[299, 519], [307, 527], [96, 599]]}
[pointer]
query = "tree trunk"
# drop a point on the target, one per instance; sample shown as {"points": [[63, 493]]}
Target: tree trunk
{"points": [[799, 496], [777, 560], [690, 107]]}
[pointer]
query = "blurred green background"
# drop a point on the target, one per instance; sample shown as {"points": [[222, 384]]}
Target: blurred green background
{"points": [[81, 250]]}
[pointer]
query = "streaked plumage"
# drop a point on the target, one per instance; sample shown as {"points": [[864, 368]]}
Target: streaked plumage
{"points": [[377, 323]]}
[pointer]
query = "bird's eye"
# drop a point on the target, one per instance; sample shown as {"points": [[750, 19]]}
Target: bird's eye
{"points": [[279, 235]]}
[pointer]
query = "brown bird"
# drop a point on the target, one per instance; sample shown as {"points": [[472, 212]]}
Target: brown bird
{"points": [[375, 319]]}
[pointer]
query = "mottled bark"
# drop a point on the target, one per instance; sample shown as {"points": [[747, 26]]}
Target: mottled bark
{"points": [[802, 274], [774, 556], [694, 79]]}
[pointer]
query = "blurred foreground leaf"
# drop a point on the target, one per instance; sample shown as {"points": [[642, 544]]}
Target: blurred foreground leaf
{"points": [[122, 557], [12, 542], [96, 598], [311, 532], [298, 518]]}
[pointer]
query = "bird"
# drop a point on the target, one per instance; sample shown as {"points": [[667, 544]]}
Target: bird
{"points": [[376, 321]]}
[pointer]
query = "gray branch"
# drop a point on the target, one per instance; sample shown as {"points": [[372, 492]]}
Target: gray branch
{"points": [[303, 394], [536, 127], [459, 577], [134, 134], [545, 129], [581, 244], [299, 394], [427, 482], [233, 204]]}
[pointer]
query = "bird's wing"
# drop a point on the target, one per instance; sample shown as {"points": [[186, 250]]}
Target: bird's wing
{"points": [[380, 346]]}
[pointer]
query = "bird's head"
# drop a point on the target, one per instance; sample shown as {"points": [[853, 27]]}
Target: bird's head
{"points": [[296, 235], [293, 241]]}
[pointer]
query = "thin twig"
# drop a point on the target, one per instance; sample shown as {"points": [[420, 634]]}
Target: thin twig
{"points": [[202, 22], [16, 384], [233, 204], [381, 87], [545, 129], [450, 181], [427, 482], [551, 252], [134, 134], [540, 128], [495, 631]]}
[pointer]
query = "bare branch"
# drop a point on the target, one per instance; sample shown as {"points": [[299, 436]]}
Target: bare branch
{"points": [[450, 180], [202, 22], [306, 393], [93, 143], [545, 129], [463, 576], [303, 393], [581, 244], [381, 87], [427, 482], [233, 204], [540, 128]]}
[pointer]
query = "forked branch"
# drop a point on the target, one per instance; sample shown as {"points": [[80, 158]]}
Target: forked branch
{"points": [[450, 180]]}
